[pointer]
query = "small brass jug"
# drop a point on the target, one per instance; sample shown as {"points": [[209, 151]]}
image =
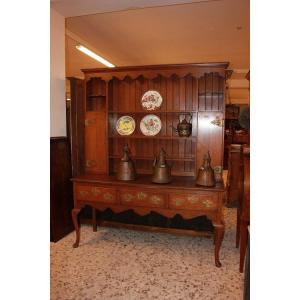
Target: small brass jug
{"points": [[184, 127], [161, 170], [206, 176], [126, 170]]}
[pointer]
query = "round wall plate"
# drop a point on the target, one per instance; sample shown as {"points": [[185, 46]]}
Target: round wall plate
{"points": [[125, 125], [150, 125], [151, 100]]}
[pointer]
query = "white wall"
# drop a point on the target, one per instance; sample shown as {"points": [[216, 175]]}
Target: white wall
{"points": [[57, 77]]}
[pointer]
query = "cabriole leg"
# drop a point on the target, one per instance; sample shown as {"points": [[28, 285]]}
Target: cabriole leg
{"points": [[94, 219], [218, 238], [75, 212]]}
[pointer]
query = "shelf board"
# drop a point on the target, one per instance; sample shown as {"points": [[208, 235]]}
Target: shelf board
{"points": [[191, 159], [95, 96], [151, 137], [208, 94], [152, 112], [173, 172]]}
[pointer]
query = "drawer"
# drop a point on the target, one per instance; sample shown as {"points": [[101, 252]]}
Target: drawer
{"points": [[193, 201], [142, 198], [95, 193]]}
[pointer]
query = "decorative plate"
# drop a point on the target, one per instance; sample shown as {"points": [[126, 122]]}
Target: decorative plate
{"points": [[151, 100], [125, 125], [150, 125]]}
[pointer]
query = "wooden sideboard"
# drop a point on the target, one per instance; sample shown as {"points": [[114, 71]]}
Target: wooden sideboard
{"points": [[105, 95], [181, 197]]}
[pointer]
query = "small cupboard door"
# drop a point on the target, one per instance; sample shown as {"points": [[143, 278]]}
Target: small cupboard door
{"points": [[210, 137], [95, 142]]}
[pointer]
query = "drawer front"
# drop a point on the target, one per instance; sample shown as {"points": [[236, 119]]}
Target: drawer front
{"points": [[95, 193], [193, 201], [142, 198]]}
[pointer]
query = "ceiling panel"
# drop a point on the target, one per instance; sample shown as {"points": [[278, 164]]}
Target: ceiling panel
{"points": [[198, 32], [71, 8]]}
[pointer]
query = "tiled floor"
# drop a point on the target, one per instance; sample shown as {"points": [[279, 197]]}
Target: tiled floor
{"points": [[123, 264]]}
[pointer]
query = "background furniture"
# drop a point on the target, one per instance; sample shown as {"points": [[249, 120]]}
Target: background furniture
{"points": [[247, 271], [234, 133], [234, 175], [61, 194], [243, 211], [107, 94]]}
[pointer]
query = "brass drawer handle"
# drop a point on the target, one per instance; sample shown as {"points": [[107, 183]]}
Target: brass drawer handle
{"points": [[96, 191], [179, 202], [207, 203], [141, 196], [83, 193], [107, 196], [156, 199], [127, 197], [192, 199]]}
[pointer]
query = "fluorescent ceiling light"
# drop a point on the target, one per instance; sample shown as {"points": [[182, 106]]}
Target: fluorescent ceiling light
{"points": [[94, 56]]}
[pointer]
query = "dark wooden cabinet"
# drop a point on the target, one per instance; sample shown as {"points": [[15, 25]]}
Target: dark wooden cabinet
{"points": [[61, 194], [234, 175], [234, 133], [194, 89]]}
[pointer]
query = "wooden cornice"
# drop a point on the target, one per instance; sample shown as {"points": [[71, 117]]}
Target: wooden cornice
{"points": [[151, 72], [157, 67], [248, 75]]}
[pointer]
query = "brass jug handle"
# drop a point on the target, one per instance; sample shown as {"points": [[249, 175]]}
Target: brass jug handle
{"points": [[154, 162], [191, 117]]}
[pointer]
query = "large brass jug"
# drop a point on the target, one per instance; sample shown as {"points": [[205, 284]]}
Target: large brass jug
{"points": [[126, 170], [161, 170], [206, 176]]}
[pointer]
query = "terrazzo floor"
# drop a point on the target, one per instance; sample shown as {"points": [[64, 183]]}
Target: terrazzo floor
{"points": [[122, 264]]}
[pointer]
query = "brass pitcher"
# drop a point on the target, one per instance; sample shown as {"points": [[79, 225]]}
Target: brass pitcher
{"points": [[184, 127], [161, 170], [206, 176], [126, 170]]}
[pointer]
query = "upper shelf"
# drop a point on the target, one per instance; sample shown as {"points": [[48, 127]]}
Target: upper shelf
{"points": [[152, 112], [191, 158], [95, 96], [152, 137]]}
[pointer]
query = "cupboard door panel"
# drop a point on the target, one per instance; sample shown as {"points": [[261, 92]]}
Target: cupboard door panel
{"points": [[210, 138], [95, 143]]}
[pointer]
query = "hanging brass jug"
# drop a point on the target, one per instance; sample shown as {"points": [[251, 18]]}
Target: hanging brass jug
{"points": [[126, 170], [206, 176], [161, 170], [184, 127]]}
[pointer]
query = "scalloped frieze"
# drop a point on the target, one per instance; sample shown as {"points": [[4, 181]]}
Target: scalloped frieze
{"points": [[151, 74]]}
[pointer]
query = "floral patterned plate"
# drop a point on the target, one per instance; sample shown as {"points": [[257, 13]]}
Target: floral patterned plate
{"points": [[151, 100], [150, 125], [125, 125]]}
